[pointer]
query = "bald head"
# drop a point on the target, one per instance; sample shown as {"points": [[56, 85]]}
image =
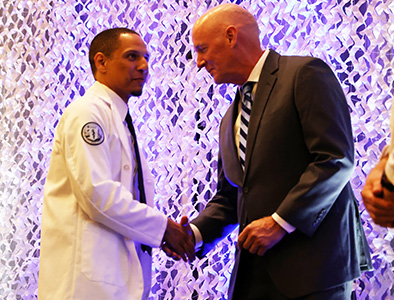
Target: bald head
{"points": [[230, 15], [226, 39]]}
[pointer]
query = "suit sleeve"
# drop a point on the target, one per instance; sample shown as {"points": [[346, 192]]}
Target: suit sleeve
{"points": [[325, 121], [219, 218]]}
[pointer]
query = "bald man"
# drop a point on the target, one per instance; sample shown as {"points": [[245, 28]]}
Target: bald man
{"points": [[285, 160]]}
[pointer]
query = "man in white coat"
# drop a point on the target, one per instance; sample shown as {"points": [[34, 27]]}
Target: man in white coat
{"points": [[98, 223]]}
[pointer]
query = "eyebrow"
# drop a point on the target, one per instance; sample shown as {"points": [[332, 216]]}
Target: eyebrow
{"points": [[200, 49], [146, 55], [199, 46]]}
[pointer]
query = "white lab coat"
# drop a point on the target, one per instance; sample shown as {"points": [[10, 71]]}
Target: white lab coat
{"points": [[92, 226]]}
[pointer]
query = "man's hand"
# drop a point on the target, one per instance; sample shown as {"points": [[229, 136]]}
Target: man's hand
{"points": [[178, 241], [378, 201], [261, 235]]}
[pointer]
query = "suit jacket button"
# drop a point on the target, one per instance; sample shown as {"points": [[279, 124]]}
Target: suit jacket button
{"points": [[246, 190]]}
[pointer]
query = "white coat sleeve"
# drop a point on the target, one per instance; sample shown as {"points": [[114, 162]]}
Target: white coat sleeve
{"points": [[96, 175]]}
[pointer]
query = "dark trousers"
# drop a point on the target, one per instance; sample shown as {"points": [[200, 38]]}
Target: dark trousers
{"points": [[259, 286]]}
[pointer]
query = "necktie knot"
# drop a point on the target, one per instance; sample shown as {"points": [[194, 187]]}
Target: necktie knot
{"points": [[247, 91]]}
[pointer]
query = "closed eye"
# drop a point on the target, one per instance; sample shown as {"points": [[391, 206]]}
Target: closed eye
{"points": [[202, 50]]}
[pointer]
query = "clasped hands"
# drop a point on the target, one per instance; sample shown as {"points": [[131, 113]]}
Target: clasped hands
{"points": [[258, 237], [178, 241]]}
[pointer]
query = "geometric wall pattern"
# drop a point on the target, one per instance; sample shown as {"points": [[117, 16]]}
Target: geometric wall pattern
{"points": [[44, 67]]}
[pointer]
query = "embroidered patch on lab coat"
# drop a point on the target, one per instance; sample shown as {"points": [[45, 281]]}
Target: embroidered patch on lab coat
{"points": [[92, 133]]}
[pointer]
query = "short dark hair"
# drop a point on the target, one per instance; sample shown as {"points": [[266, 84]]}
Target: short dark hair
{"points": [[106, 42]]}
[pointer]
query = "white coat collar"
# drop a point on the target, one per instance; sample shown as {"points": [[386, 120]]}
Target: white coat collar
{"points": [[112, 99]]}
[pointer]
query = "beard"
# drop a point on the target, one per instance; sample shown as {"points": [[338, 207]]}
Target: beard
{"points": [[136, 88], [137, 93]]}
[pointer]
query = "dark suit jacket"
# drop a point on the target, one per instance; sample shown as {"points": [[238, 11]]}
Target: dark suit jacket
{"points": [[299, 161]]}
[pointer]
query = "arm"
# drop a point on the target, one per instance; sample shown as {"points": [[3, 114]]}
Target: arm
{"points": [[326, 127], [219, 218], [98, 182]]}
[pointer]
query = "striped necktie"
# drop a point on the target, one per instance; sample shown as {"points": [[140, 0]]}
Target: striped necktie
{"points": [[140, 178], [246, 108]]}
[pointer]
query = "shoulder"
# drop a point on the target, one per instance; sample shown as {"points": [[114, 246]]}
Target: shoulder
{"points": [[91, 105], [301, 61], [90, 113], [303, 67], [289, 65]]}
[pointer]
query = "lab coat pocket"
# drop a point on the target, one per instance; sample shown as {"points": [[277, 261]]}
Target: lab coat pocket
{"points": [[104, 256]]}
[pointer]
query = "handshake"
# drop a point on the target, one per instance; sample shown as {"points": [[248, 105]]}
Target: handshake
{"points": [[178, 241]]}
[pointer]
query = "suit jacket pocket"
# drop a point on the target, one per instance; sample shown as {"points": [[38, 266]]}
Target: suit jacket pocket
{"points": [[104, 256]]}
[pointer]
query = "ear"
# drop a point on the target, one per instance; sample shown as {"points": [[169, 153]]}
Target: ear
{"points": [[231, 35], [100, 61]]}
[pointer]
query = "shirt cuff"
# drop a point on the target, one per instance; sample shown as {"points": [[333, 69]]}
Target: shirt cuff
{"points": [[286, 226], [197, 236]]}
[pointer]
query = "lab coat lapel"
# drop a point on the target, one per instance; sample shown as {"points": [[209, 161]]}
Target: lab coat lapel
{"points": [[124, 139], [120, 127]]}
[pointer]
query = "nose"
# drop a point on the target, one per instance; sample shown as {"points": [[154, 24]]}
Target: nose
{"points": [[143, 65], [200, 61]]}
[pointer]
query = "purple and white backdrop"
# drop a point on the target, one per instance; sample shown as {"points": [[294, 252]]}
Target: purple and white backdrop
{"points": [[44, 67]]}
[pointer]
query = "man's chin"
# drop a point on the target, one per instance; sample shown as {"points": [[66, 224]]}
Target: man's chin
{"points": [[136, 93], [217, 79]]}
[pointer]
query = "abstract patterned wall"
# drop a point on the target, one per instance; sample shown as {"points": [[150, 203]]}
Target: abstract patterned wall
{"points": [[44, 66]]}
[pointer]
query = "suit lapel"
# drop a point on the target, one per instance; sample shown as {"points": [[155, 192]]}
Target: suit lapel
{"points": [[231, 164], [265, 85]]}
